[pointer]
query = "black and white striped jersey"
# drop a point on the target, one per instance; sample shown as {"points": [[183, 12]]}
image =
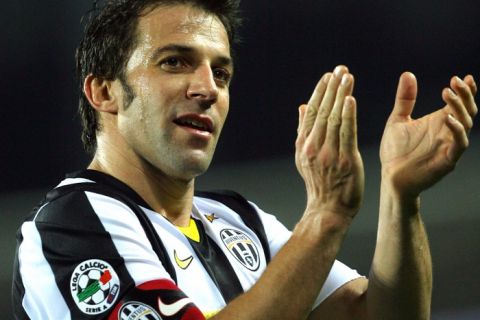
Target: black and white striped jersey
{"points": [[89, 255]]}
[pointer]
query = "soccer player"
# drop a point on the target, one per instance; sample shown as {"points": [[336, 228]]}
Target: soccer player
{"points": [[128, 238]]}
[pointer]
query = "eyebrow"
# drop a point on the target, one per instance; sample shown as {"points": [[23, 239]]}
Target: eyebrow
{"points": [[222, 60]]}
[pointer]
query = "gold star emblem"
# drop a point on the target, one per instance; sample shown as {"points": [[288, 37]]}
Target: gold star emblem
{"points": [[211, 217]]}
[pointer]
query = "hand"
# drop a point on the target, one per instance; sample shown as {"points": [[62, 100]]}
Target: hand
{"points": [[415, 154], [327, 155]]}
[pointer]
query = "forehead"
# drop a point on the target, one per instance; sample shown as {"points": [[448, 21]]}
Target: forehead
{"points": [[182, 24]]}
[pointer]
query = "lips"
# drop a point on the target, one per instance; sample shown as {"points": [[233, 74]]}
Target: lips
{"points": [[195, 121]]}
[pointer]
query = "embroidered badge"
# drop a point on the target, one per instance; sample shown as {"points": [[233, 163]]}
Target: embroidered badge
{"points": [[211, 217], [241, 247], [134, 310], [94, 286]]}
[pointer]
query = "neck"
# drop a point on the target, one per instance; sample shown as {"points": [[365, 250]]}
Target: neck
{"points": [[169, 196]]}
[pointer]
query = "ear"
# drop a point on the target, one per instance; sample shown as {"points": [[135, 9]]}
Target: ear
{"points": [[100, 94]]}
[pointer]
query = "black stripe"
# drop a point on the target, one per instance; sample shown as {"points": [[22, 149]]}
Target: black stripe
{"points": [[146, 224], [107, 180], [253, 250], [238, 254], [217, 265]]}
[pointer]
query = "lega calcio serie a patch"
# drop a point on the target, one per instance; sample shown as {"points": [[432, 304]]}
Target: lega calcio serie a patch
{"points": [[94, 286]]}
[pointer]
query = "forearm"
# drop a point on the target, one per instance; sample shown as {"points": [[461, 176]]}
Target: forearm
{"points": [[293, 279], [401, 276], [328, 160]]}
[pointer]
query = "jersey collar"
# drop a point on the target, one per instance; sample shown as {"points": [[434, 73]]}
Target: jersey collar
{"points": [[110, 181]]}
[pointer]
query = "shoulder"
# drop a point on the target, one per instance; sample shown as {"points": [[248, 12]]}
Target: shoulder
{"points": [[75, 205], [80, 222]]}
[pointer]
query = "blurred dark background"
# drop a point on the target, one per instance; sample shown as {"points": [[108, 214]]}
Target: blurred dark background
{"points": [[287, 46]]}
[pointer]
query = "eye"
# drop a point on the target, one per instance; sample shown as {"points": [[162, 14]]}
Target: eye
{"points": [[222, 75], [173, 63]]}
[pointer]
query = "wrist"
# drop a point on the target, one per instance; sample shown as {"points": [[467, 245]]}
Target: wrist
{"points": [[398, 202], [316, 224], [395, 186]]}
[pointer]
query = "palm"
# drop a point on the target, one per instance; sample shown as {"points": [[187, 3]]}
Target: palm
{"points": [[410, 139], [417, 153]]}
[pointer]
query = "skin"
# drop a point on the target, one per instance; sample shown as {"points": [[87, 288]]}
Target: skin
{"points": [[145, 147], [180, 67]]}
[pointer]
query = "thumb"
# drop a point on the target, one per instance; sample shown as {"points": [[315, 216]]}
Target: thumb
{"points": [[406, 95]]}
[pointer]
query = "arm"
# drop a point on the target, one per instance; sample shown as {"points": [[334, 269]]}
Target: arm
{"points": [[415, 154], [329, 162]]}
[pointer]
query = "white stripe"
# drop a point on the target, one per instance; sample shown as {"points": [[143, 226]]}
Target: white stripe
{"points": [[129, 238], [38, 211], [42, 299], [195, 282], [70, 181]]}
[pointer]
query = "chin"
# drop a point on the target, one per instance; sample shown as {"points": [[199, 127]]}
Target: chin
{"points": [[193, 167]]}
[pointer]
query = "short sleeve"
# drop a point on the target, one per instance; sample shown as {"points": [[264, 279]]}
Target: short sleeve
{"points": [[278, 235], [89, 254]]}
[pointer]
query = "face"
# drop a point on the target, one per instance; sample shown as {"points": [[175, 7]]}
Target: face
{"points": [[179, 74]]}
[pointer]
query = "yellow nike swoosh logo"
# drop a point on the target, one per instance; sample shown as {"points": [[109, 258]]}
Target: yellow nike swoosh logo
{"points": [[182, 263]]}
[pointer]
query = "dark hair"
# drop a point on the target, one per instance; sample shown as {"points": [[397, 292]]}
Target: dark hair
{"points": [[110, 38]]}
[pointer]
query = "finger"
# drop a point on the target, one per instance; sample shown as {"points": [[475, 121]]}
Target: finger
{"points": [[470, 81], [329, 99], [466, 94], [319, 92], [460, 139], [348, 129], [313, 105], [406, 96], [320, 125], [301, 115], [335, 117], [457, 107]]}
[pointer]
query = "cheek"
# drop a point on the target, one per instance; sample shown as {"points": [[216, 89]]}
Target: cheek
{"points": [[224, 105]]}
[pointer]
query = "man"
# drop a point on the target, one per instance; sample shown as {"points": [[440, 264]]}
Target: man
{"points": [[127, 239]]}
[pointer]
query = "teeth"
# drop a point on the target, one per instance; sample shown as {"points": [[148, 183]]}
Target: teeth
{"points": [[194, 123]]}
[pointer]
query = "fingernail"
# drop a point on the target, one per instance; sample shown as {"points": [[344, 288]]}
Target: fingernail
{"points": [[337, 71], [458, 81], [345, 80]]}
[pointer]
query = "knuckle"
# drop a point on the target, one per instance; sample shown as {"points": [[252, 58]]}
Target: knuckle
{"points": [[346, 137], [344, 162], [450, 166], [334, 120], [323, 114], [328, 157], [299, 141], [310, 151]]}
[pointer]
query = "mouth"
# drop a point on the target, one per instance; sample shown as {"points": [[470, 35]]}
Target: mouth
{"points": [[196, 122]]}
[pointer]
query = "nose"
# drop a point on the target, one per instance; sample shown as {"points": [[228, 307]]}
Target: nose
{"points": [[203, 87]]}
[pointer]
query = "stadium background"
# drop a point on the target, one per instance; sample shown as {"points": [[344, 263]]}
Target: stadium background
{"points": [[286, 46]]}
